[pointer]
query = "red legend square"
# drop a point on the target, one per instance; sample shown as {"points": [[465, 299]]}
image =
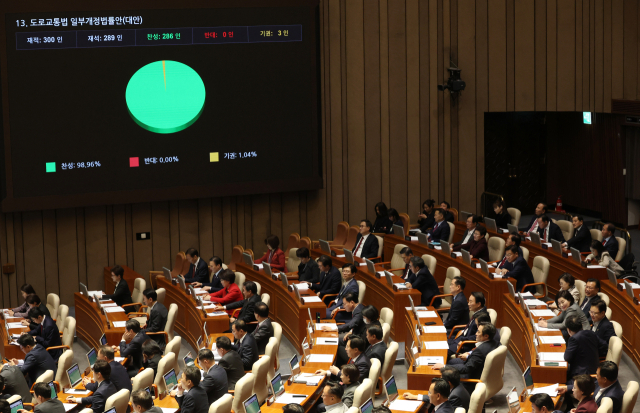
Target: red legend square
{"points": [[134, 162]]}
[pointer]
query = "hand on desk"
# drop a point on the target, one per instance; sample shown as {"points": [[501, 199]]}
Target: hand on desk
{"points": [[333, 369], [408, 285], [542, 323], [86, 380], [437, 366], [24, 323], [72, 399], [501, 271], [410, 396], [218, 308], [10, 312], [206, 288], [196, 284]]}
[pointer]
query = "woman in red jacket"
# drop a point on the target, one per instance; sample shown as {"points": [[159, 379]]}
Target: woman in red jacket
{"points": [[275, 256], [230, 292], [583, 388]]}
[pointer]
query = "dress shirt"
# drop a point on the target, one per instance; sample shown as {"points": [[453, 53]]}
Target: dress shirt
{"points": [[469, 236], [362, 241], [435, 409], [594, 328], [602, 390]]}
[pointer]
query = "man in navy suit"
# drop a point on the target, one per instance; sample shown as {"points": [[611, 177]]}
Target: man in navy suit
{"points": [[591, 290], [476, 304], [354, 327], [136, 338], [330, 279], [521, 271], [581, 239], [513, 239], [439, 393], [609, 240], [46, 332], [355, 351], [459, 396], [406, 253], [349, 285], [459, 311], [215, 376], [190, 396], [440, 230], [424, 282], [541, 209], [245, 344], [602, 327], [104, 388], [36, 359], [157, 316], [582, 349], [548, 230], [198, 270], [607, 385], [118, 377], [214, 284], [366, 243]]}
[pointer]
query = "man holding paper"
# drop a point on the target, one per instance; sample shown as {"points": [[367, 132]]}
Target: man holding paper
{"points": [[355, 349], [350, 285]]}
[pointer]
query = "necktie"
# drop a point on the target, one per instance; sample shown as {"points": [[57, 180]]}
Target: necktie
{"points": [[41, 330], [406, 273], [358, 246], [584, 303], [503, 261], [349, 362], [604, 242]]}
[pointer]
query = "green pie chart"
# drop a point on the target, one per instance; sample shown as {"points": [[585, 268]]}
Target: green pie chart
{"points": [[165, 96]]}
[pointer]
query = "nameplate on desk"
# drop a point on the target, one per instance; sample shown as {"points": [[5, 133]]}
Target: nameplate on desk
{"points": [[257, 267], [544, 246], [379, 274], [399, 287], [635, 301], [410, 238], [311, 299], [566, 254]]}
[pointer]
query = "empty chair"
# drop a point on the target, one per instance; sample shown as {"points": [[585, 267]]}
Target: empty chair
{"points": [[222, 405], [430, 261], [352, 236], [476, 403], [540, 271], [173, 346], [236, 256], [493, 314], [171, 320], [406, 222], [266, 298], [63, 313], [615, 350], [452, 230], [617, 328], [342, 232], [142, 380], [166, 364], [69, 332], [596, 234], [606, 405], [604, 297], [630, 397], [243, 390], [161, 294], [515, 216], [362, 290], [622, 245], [567, 229], [292, 260], [272, 351], [389, 360], [374, 374], [119, 400], [492, 371], [362, 393], [386, 329], [505, 336], [53, 303], [277, 333], [496, 247], [240, 279], [64, 362], [525, 254], [292, 242], [260, 370], [386, 316], [139, 285]]}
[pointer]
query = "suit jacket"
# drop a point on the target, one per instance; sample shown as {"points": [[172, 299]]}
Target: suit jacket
{"points": [[277, 259], [426, 284], [614, 392], [604, 332], [611, 245], [582, 354], [427, 223], [196, 401], [248, 351], [14, 382], [440, 231], [248, 307], [309, 272], [503, 219], [36, 362], [585, 305], [507, 265], [522, 274], [153, 363], [330, 282], [228, 295], [370, 247], [119, 378], [532, 223], [232, 364], [349, 390], [99, 397], [48, 335], [134, 350], [479, 249], [157, 322], [350, 287], [364, 365], [469, 333], [377, 351], [44, 309], [448, 216], [573, 309], [50, 406], [553, 232], [587, 405], [382, 224], [464, 236], [262, 334], [356, 323], [121, 295], [459, 312], [408, 275], [459, 397], [581, 239], [215, 383], [197, 273], [472, 367], [155, 409], [215, 284], [446, 407]]}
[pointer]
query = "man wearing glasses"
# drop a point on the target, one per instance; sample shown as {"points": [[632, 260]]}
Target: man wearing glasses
{"points": [[601, 326]]}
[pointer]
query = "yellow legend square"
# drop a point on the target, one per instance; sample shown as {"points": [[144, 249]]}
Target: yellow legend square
{"points": [[213, 157]]}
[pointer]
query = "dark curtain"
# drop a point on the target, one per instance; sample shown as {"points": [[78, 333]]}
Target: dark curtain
{"points": [[633, 162]]}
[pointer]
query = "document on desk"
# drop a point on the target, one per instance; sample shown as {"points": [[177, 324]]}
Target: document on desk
{"points": [[77, 391], [287, 398], [435, 329], [114, 310], [542, 313], [311, 299], [327, 341], [429, 361], [99, 293], [550, 390], [260, 266], [436, 345], [15, 325], [310, 379], [69, 406], [302, 286], [551, 356], [340, 256], [545, 329], [168, 410], [321, 358], [405, 405], [527, 295], [548, 244], [534, 302], [552, 340], [109, 305], [504, 231], [119, 324], [633, 285], [326, 327], [217, 314], [595, 266], [427, 314], [208, 307], [457, 253], [437, 247], [400, 286]]}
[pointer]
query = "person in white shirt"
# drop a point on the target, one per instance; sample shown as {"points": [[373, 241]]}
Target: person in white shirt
{"points": [[366, 243], [472, 222], [439, 395], [332, 398]]}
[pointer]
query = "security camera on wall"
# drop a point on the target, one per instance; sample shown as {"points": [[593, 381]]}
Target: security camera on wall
{"points": [[454, 83]]}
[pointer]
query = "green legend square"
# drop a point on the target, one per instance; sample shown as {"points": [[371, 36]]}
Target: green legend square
{"points": [[51, 166]]}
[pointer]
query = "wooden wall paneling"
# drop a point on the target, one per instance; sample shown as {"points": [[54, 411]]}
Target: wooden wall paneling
{"points": [[455, 144], [260, 223], [290, 217], [497, 15], [304, 227], [592, 58], [228, 230], [4, 259], [578, 60], [566, 66], [606, 61], [128, 227], [481, 91], [188, 215], [174, 229], [384, 101], [33, 250], [372, 131], [11, 258], [82, 247], [50, 241], [120, 235], [205, 228], [336, 113], [358, 164], [617, 47], [586, 55], [398, 104], [445, 62], [95, 230], [240, 202], [343, 112], [511, 79], [142, 249], [67, 243], [110, 237], [413, 109], [466, 104], [275, 215], [598, 49], [19, 250], [163, 255], [540, 54], [435, 98], [524, 56], [217, 229], [552, 58], [234, 223], [425, 87], [248, 231]]}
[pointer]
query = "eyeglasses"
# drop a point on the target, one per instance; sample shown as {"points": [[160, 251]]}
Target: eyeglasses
{"points": [[595, 313]]}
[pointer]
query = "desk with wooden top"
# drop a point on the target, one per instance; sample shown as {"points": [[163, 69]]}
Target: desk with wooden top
{"points": [[379, 293], [625, 312], [91, 323], [9, 350], [420, 379]]}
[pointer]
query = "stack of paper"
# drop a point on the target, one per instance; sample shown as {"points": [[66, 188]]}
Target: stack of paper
{"points": [[552, 340], [119, 359], [427, 314], [535, 303], [340, 256], [109, 305], [633, 285], [425, 361], [99, 293], [362, 264], [119, 324], [326, 327], [504, 231], [400, 286], [302, 286], [526, 295], [69, 406], [216, 314], [321, 358], [405, 405], [14, 325], [114, 310], [77, 391], [545, 329], [595, 266], [437, 247], [260, 266], [542, 313], [414, 238], [312, 299], [286, 398], [310, 379], [435, 345], [548, 244], [435, 329], [551, 356], [550, 390]]}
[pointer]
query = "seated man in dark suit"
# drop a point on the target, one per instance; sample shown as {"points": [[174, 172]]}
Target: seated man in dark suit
{"points": [[424, 282], [133, 350], [439, 393], [198, 270], [190, 396], [14, 382], [349, 285], [448, 215], [581, 239], [248, 305], [46, 332], [591, 290], [308, 269], [42, 393], [513, 239], [121, 295], [369, 317], [459, 396], [582, 349], [157, 316], [215, 377], [521, 271], [230, 361], [406, 253], [609, 240], [377, 348], [330, 279], [541, 209], [215, 269], [264, 331], [548, 230], [355, 350], [440, 230], [459, 311], [602, 327], [142, 402], [244, 344], [36, 359], [607, 385], [33, 301], [151, 355], [118, 377], [470, 364], [104, 389], [366, 243], [472, 223], [476, 304]]}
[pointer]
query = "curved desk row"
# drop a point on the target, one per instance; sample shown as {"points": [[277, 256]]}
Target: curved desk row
{"points": [[91, 324]]}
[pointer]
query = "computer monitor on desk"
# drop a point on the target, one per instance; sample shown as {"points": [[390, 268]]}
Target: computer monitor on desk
{"points": [[247, 259], [577, 257], [463, 215], [348, 255], [75, 377], [446, 248], [325, 247], [513, 401], [181, 283], [612, 277], [527, 380], [267, 268], [294, 364], [557, 246], [16, 405], [251, 405], [84, 291], [512, 229], [389, 278], [371, 267], [284, 280], [535, 238], [398, 231], [52, 386], [491, 224], [391, 389], [167, 273], [92, 356], [512, 291], [367, 407], [484, 266], [103, 340], [466, 257], [423, 238], [629, 288], [170, 380]]}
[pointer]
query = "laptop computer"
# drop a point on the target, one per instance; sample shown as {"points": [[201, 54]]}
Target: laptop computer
{"points": [[366, 407], [199, 342], [484, 266], [348, 255], [466, 257], [463, 215], [389, 277], [297, 293], [170, 380], [294, 363], [512, 229], [181, 282], [513, 401], [310, 318], [446, 248], [83, 290], [391, 389], [17, 405], [418, 330], [629, 288], [557, 246], [527, 380], [92, 356], [325, 247], [97, 300], [370, 266], [103, 339], [206, 334], [398, 231], [277, 386], [246, 257], [267, 268], [167, 273], [251, 405], [535, 238], [189, 360], [192, 291], [612, 277], [512, 291], [75, 377], [577, 257], [52, 386], [284, 281], [490, 223], [111, 410], [423, 238]]}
